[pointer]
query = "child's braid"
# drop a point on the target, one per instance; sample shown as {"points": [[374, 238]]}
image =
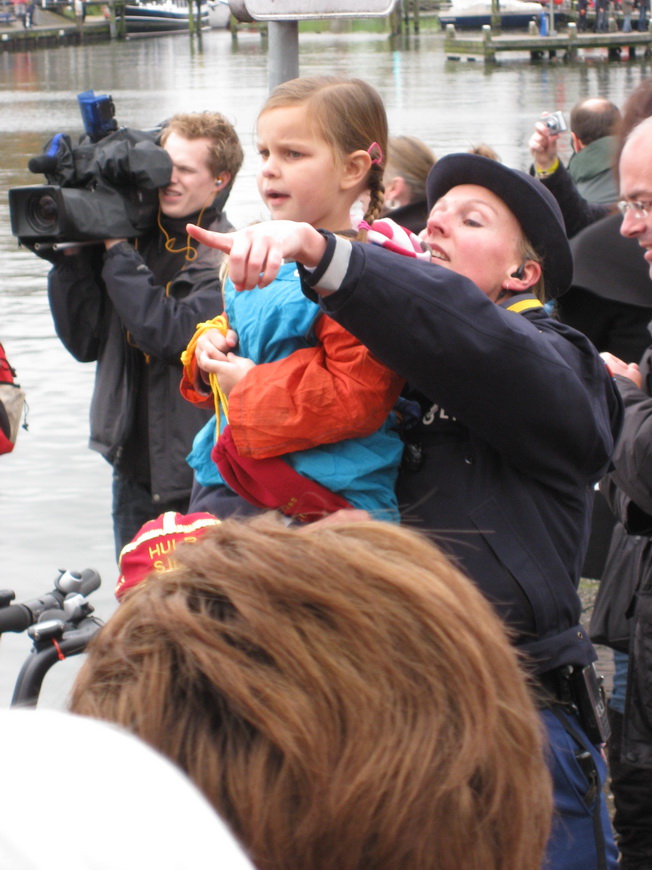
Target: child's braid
{"points": [[376, 199]]}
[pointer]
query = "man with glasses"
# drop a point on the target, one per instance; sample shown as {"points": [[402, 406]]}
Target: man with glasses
{"points": [[610, 298], [636, 187], [628, 490], [638, 209]]}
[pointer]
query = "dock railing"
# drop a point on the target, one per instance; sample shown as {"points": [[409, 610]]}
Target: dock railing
{"points": [[569, 43]]}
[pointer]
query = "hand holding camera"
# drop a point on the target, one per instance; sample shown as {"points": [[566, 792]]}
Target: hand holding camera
{"points": [[543, 142], [555, 122]]}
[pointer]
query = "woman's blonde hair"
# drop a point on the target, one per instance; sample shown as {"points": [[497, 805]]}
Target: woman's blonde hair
{"points": [[349, 115], [412, 159], [343, 695]]}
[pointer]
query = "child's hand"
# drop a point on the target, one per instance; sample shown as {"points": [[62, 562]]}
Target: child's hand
{"points": [[212, 346], [256, 253], [231, 371]]}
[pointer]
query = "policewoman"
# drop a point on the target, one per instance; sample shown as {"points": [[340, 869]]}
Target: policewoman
{"points": [[515, 417]]}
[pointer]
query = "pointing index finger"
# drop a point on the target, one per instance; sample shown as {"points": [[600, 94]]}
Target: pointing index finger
{"points": [[221, 241]]}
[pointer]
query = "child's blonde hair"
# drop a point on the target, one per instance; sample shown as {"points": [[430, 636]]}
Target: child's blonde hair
{"points": [[349, 115]]}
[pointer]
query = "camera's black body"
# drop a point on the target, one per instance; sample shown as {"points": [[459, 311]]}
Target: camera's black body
{"points": [[102, 188], [49, 213]]}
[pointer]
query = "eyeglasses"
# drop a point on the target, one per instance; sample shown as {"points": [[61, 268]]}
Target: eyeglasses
{"points": [[640, 209]]}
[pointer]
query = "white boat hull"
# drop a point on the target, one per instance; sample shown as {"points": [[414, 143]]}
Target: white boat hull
{"points": [[473, 14], [151, 18]]}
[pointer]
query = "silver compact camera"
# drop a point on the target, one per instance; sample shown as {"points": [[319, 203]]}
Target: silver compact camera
{"points": [[555, 122]]}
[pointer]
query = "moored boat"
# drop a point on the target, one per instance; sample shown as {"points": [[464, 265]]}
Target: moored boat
{"points": [[474, 14], [154, 17]]}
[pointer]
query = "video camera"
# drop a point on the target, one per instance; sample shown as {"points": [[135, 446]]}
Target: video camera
{"points": [[105, 187]]}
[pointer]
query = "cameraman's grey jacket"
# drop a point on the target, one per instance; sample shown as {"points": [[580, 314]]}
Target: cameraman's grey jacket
{"points": [[135, 327]]}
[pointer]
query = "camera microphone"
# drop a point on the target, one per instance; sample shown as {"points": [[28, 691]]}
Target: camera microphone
{"points": [[43, 163]]}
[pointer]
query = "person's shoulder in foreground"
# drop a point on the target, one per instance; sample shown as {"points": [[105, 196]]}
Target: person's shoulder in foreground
{"points": [[113, 802]]}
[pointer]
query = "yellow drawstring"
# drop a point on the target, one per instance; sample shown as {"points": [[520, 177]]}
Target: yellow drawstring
{"points": [[219, 398], [190, 252]]}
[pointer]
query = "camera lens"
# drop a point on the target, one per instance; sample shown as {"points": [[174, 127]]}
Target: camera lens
{"points": [[42, 213]]}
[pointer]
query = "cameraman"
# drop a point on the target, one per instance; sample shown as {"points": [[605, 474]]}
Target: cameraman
{"points": [[132, 306]]}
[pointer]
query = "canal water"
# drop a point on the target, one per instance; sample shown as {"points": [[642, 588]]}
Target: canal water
{"points": [[54, 492]]}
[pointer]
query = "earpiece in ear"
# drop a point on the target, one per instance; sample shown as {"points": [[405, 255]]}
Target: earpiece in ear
{"points": [[218, 181], [520, 271]]}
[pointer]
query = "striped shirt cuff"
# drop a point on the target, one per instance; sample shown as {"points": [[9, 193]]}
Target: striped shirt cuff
{"points": [[329, 274]]}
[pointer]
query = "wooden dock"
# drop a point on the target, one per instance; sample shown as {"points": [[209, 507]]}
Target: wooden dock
{"points": [[567, 44], [65, 33], [52, 29]]}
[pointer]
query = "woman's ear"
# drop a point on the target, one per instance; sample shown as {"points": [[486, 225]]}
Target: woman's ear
{"points": [[522, 276], [355, 170], [396, 190]]}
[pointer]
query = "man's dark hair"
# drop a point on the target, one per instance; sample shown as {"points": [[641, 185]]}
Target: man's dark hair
{"points": [[594, 118]]}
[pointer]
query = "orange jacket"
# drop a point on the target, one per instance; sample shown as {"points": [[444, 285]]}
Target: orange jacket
{"points": [[318, 395]]}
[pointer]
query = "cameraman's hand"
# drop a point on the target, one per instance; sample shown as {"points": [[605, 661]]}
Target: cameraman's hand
{"points": [[213, 347], [72, 251], [256, 253], [543, 147], [231, 371], [109, 243]]}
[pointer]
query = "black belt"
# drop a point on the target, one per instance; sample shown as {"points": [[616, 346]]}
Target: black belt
{"points": [[579, 690]]}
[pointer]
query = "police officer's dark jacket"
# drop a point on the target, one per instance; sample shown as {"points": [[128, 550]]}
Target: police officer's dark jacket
{"points": [[518, 419]]}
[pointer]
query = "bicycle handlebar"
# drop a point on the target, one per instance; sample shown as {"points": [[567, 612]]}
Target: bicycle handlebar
{"points": [[18, 617], [90, 581], [36, 666]]}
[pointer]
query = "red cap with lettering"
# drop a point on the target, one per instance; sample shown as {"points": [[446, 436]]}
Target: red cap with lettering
{"points": [[152, 549]]}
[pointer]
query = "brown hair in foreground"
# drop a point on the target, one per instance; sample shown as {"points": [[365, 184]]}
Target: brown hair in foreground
{"points": [[342, 695]]}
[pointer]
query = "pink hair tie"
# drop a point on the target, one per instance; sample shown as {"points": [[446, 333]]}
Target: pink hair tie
{"points": [[375, 161], [388, 234]]}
